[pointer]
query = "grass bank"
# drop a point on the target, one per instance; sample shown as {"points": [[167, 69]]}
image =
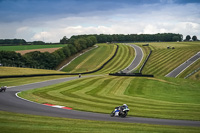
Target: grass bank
{"points": [[163, 60], [91, 60], [123, 59], [22, 123]]}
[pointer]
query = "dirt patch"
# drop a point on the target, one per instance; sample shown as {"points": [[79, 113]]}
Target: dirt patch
{"points": [[50, 50]]}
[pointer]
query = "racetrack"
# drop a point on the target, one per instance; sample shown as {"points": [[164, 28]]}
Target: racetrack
{"points": [[138, 58], [11, 103]]}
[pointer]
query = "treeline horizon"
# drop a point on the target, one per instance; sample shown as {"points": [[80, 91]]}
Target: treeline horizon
{"points": [[104, 38], [159, 37]]}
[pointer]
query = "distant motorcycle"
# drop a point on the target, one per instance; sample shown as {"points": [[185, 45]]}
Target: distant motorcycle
{"points": [[3, 88], [121, 112]]}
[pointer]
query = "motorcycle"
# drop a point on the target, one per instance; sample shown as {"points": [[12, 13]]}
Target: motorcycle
{"points": [[119, 113], [3, 88]]}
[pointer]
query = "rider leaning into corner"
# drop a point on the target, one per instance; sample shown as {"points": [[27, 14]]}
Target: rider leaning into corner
{"points": [[120, 108], [121, 111]]}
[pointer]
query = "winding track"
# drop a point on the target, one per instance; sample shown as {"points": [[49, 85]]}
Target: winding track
{"points": [[138, 58], [11, 103]]}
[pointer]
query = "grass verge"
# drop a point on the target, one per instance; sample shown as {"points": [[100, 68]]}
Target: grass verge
{"points": [[22, 123]]}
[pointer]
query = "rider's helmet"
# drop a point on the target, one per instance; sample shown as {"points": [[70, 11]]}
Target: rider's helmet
{"points": [[125, 105]]}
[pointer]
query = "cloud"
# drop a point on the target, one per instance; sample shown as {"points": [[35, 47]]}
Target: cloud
{"points": [[150, 17]]}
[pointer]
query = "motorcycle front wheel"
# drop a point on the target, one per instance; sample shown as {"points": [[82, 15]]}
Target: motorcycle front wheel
{"points": [[112, 114]]}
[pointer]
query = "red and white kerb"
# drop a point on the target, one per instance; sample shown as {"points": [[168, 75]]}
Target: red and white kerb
{"points": [[57, 106]]}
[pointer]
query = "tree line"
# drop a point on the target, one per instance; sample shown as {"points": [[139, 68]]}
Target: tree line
{"points": [[15, 42], [46, 60], [103, 38], [12, 42]]}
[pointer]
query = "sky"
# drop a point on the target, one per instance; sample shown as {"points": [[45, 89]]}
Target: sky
{"points": [[50, 20]]}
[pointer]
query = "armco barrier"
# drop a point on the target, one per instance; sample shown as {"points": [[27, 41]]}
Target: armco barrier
{"points": [[130, 74], [34, 75]]}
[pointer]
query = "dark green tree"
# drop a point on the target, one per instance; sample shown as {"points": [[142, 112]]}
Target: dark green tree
{"points": [[194, 38], [64, 40], [187, 38]]}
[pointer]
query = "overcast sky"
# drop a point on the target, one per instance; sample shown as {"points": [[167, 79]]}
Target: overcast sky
{"points": [[50, 20]]}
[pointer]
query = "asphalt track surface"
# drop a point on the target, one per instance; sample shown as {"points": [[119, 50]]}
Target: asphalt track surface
{"points": [[138, 58], [183, 66], [11, 103]]}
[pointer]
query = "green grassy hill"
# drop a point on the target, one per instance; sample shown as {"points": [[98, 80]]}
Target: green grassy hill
{"points": [[97, 57], [123, 59], [91, 60], [163, 60]]}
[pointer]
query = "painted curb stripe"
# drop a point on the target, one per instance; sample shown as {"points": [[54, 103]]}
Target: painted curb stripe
{"points": [[57, 106]]}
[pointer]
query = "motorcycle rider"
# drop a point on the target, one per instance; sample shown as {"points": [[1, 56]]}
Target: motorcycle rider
{"points": [[121, 111], [121, 108], [3, 88]]}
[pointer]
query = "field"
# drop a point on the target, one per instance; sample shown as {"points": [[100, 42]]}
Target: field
{"points": [[29, 47], [19, 123], [50, 50], [146, 97]]}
